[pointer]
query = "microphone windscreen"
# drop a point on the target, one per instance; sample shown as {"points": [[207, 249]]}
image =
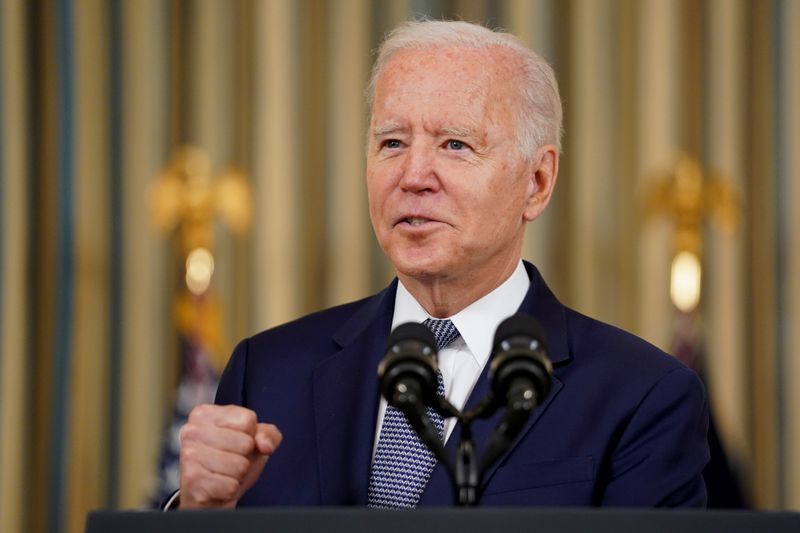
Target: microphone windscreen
{"points": [[412, 331], [519, 325]]}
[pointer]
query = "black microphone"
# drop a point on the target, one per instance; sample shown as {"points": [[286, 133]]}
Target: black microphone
{"points": [[520, 374], [408, 370], [407, 379], [520, 369]]}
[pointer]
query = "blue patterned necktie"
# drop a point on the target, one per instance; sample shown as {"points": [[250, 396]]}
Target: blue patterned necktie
{"points": [[403, 464]]}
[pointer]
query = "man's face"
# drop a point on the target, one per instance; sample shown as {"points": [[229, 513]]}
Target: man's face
{"points": [[449, 192]]}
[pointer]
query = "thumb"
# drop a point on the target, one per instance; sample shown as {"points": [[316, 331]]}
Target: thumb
{"points": [[267, 438], [257, 462]]}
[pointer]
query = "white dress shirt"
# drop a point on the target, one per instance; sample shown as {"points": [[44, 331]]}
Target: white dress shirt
{"points": [[462, 362]]}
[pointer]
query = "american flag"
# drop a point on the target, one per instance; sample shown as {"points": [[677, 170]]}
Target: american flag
{"points": [[198, 385]]}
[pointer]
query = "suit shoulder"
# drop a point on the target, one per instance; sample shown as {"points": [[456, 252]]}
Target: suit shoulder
{"points": [[596, 342], [319, 326], [285, 350]]}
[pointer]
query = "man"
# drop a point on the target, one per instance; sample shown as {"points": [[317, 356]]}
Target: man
{"points": [[462, 153]]}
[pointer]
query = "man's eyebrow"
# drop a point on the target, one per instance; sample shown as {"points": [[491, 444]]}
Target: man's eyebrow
{"points": [[458, 131], [385, 129]]}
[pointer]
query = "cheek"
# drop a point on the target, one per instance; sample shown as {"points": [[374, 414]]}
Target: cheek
{"points": [[373, 180], [378, 191], [373, 196], [504, 205]]}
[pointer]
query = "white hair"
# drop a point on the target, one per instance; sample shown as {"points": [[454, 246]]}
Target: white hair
{"points": [[540, 114]]}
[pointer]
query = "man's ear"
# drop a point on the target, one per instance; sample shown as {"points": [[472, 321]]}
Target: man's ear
{"points": [[542, 174]]}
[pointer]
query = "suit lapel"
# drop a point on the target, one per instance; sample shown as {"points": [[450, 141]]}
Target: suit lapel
{"points": [[346, 402], [540, 303]]}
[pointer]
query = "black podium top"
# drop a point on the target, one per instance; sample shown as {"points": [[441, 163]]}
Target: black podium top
{"points": [[492, 520]]}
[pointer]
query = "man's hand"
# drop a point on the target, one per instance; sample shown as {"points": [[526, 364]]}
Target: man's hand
{"points": [[223, 451]]}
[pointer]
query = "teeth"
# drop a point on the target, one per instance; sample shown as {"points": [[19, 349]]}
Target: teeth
{"points": [[414, 221]]}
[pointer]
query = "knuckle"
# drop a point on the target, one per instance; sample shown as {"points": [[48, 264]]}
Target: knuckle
{"points": [[228, 490], [188, 432], [240, 466], [201, 411], [238, 447], [246, 417], [190, 476], [188, 455]]}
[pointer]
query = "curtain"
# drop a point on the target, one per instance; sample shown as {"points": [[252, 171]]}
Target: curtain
{"points": [[96, 97]]}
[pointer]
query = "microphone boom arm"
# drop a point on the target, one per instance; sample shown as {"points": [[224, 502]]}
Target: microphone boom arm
{"points": [[407, 400]]}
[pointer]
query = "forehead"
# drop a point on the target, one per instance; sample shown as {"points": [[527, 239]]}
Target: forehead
{"points": [[441, 75]]}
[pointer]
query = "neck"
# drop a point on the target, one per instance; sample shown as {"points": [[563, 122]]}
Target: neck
{"points": [[442, 297]]}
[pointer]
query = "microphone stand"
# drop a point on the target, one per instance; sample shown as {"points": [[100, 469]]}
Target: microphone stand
{"points": [[466, 475]]}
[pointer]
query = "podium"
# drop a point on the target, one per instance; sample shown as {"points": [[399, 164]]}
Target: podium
{"points": [[442, 520]]}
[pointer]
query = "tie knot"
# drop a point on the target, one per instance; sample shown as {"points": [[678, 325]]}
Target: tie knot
{"points": [[444, 331]]}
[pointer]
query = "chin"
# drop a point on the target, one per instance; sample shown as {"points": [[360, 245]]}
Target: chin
{"points": [[420, 266]]}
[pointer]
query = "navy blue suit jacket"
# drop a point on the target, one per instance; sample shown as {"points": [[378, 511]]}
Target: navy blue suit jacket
{"points": [[624, 425]]}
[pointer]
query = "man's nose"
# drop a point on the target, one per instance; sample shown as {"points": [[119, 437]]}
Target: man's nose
{"points": [[418, 171]]}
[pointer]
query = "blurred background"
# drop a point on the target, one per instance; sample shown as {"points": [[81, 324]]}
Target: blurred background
{"points": [[682, 122]]}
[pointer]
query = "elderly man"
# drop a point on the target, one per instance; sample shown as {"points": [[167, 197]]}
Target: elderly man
{"points": [[462, 154]]}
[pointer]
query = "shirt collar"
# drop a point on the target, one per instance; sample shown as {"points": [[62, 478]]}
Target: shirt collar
{"points": [[478, 321]]}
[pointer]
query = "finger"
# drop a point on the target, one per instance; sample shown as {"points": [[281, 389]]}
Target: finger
{"points": [[233, 417], [258, 462], [201, 488], [217, 461], [267, 438], [223, 439]]}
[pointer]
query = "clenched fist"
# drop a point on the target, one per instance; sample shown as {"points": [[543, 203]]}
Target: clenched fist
{"points": [[223, 451]]}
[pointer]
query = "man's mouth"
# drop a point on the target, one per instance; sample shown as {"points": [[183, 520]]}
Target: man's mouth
{"points": [[416, 221]]}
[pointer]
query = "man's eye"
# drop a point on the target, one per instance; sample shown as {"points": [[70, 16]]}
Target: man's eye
{"points": [[453, 144], [391, 143]]}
